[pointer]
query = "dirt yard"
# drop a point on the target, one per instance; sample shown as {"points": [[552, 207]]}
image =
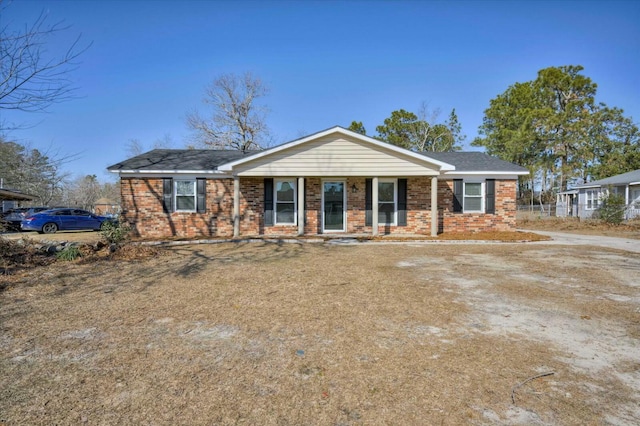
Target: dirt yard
{"points": [[261, 333]]}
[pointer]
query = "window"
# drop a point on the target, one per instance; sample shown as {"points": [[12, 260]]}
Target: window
{"points": [[618, 190], [387, 202], [185, 193], [473, 197], [285, 200], [392, 202], [593, 199], [635, 198]]}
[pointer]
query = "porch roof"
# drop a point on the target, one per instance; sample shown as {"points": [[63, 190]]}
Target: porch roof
{"points": [[13, 195]]}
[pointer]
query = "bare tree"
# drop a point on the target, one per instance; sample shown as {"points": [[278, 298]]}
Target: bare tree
{"points": [[237, 120], [83, 192], [135, 147], [165, 142], [30, 79]]}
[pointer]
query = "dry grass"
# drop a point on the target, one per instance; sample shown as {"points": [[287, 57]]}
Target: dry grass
{"points": [[92, 237], [262, 333], [629, 229]]}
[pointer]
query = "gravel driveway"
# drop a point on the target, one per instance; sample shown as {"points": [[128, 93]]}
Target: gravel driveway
{"points": [[562, 238]]}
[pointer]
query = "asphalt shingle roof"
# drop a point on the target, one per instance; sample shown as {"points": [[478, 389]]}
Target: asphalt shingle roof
{"points": [[474, 162], [621, 179], [179, 159], [209, 159]]}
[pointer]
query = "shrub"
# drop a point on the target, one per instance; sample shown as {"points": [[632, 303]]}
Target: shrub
{"points": [[612, 209], [115, 232], [69, 253]]}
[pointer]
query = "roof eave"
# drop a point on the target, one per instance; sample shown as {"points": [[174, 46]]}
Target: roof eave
{"points": [[588, 186], [488, 172], [182, 172]]}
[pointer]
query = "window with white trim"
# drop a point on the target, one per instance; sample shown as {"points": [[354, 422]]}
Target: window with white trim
{"points": [[473, 197], [593, 199], [185, 195], [285, 202], [387, 201]]}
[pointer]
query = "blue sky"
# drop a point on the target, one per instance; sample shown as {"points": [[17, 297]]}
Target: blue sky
{"points": [[326, 63]]}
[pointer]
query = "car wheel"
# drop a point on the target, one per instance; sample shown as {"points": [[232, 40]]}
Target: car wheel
{"points": [[49, 228]]}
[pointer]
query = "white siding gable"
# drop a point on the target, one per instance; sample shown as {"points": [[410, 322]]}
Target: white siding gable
{"points": [[336, 155]]}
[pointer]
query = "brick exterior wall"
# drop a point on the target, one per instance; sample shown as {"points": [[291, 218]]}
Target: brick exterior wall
{"points": [[142, 208], [504, 218]]}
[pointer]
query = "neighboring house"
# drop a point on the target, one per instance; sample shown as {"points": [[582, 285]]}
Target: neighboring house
{"points": [[334, 181], [583, 200], [9, 198], [567, 203], [106, 207]]}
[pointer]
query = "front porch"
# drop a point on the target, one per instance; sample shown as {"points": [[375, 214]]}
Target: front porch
{"points": [[324, 206]]}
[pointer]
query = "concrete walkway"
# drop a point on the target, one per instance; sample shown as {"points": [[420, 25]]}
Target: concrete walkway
{"points": [[562, 238]]}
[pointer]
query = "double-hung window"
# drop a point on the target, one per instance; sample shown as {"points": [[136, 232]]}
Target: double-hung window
{"points": [[473, 197], [185, 195], [593, 199], [387, 202], [285, 202]]}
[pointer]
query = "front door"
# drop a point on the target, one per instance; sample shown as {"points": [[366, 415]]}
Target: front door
{"points": [[333, 206]]}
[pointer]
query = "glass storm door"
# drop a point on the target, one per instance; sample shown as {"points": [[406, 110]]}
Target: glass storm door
{"points": [[333, 206]]}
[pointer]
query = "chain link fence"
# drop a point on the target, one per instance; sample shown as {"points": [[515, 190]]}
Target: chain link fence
{"points": [[536, 210]]}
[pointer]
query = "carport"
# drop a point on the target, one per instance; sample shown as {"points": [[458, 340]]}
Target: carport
{"points": [[13, 195]]}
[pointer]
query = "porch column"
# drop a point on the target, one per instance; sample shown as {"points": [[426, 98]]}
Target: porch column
{"points": [[301, 211], [434, 206], [236, 207], [374, 206], [627, 202]]}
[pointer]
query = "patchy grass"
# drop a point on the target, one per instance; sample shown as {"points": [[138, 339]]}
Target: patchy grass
{"points": [[267, 333]]}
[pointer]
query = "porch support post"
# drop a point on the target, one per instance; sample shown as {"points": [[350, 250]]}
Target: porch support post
{"points": [[301, 212], [627, 202], [434, 206], [374, 206], [236, 206]]}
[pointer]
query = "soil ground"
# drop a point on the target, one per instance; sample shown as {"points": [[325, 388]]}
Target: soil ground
{"points": [[268, 333]]}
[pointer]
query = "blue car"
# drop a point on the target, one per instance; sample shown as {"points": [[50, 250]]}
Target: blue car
{"points": [[51, 221]]}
